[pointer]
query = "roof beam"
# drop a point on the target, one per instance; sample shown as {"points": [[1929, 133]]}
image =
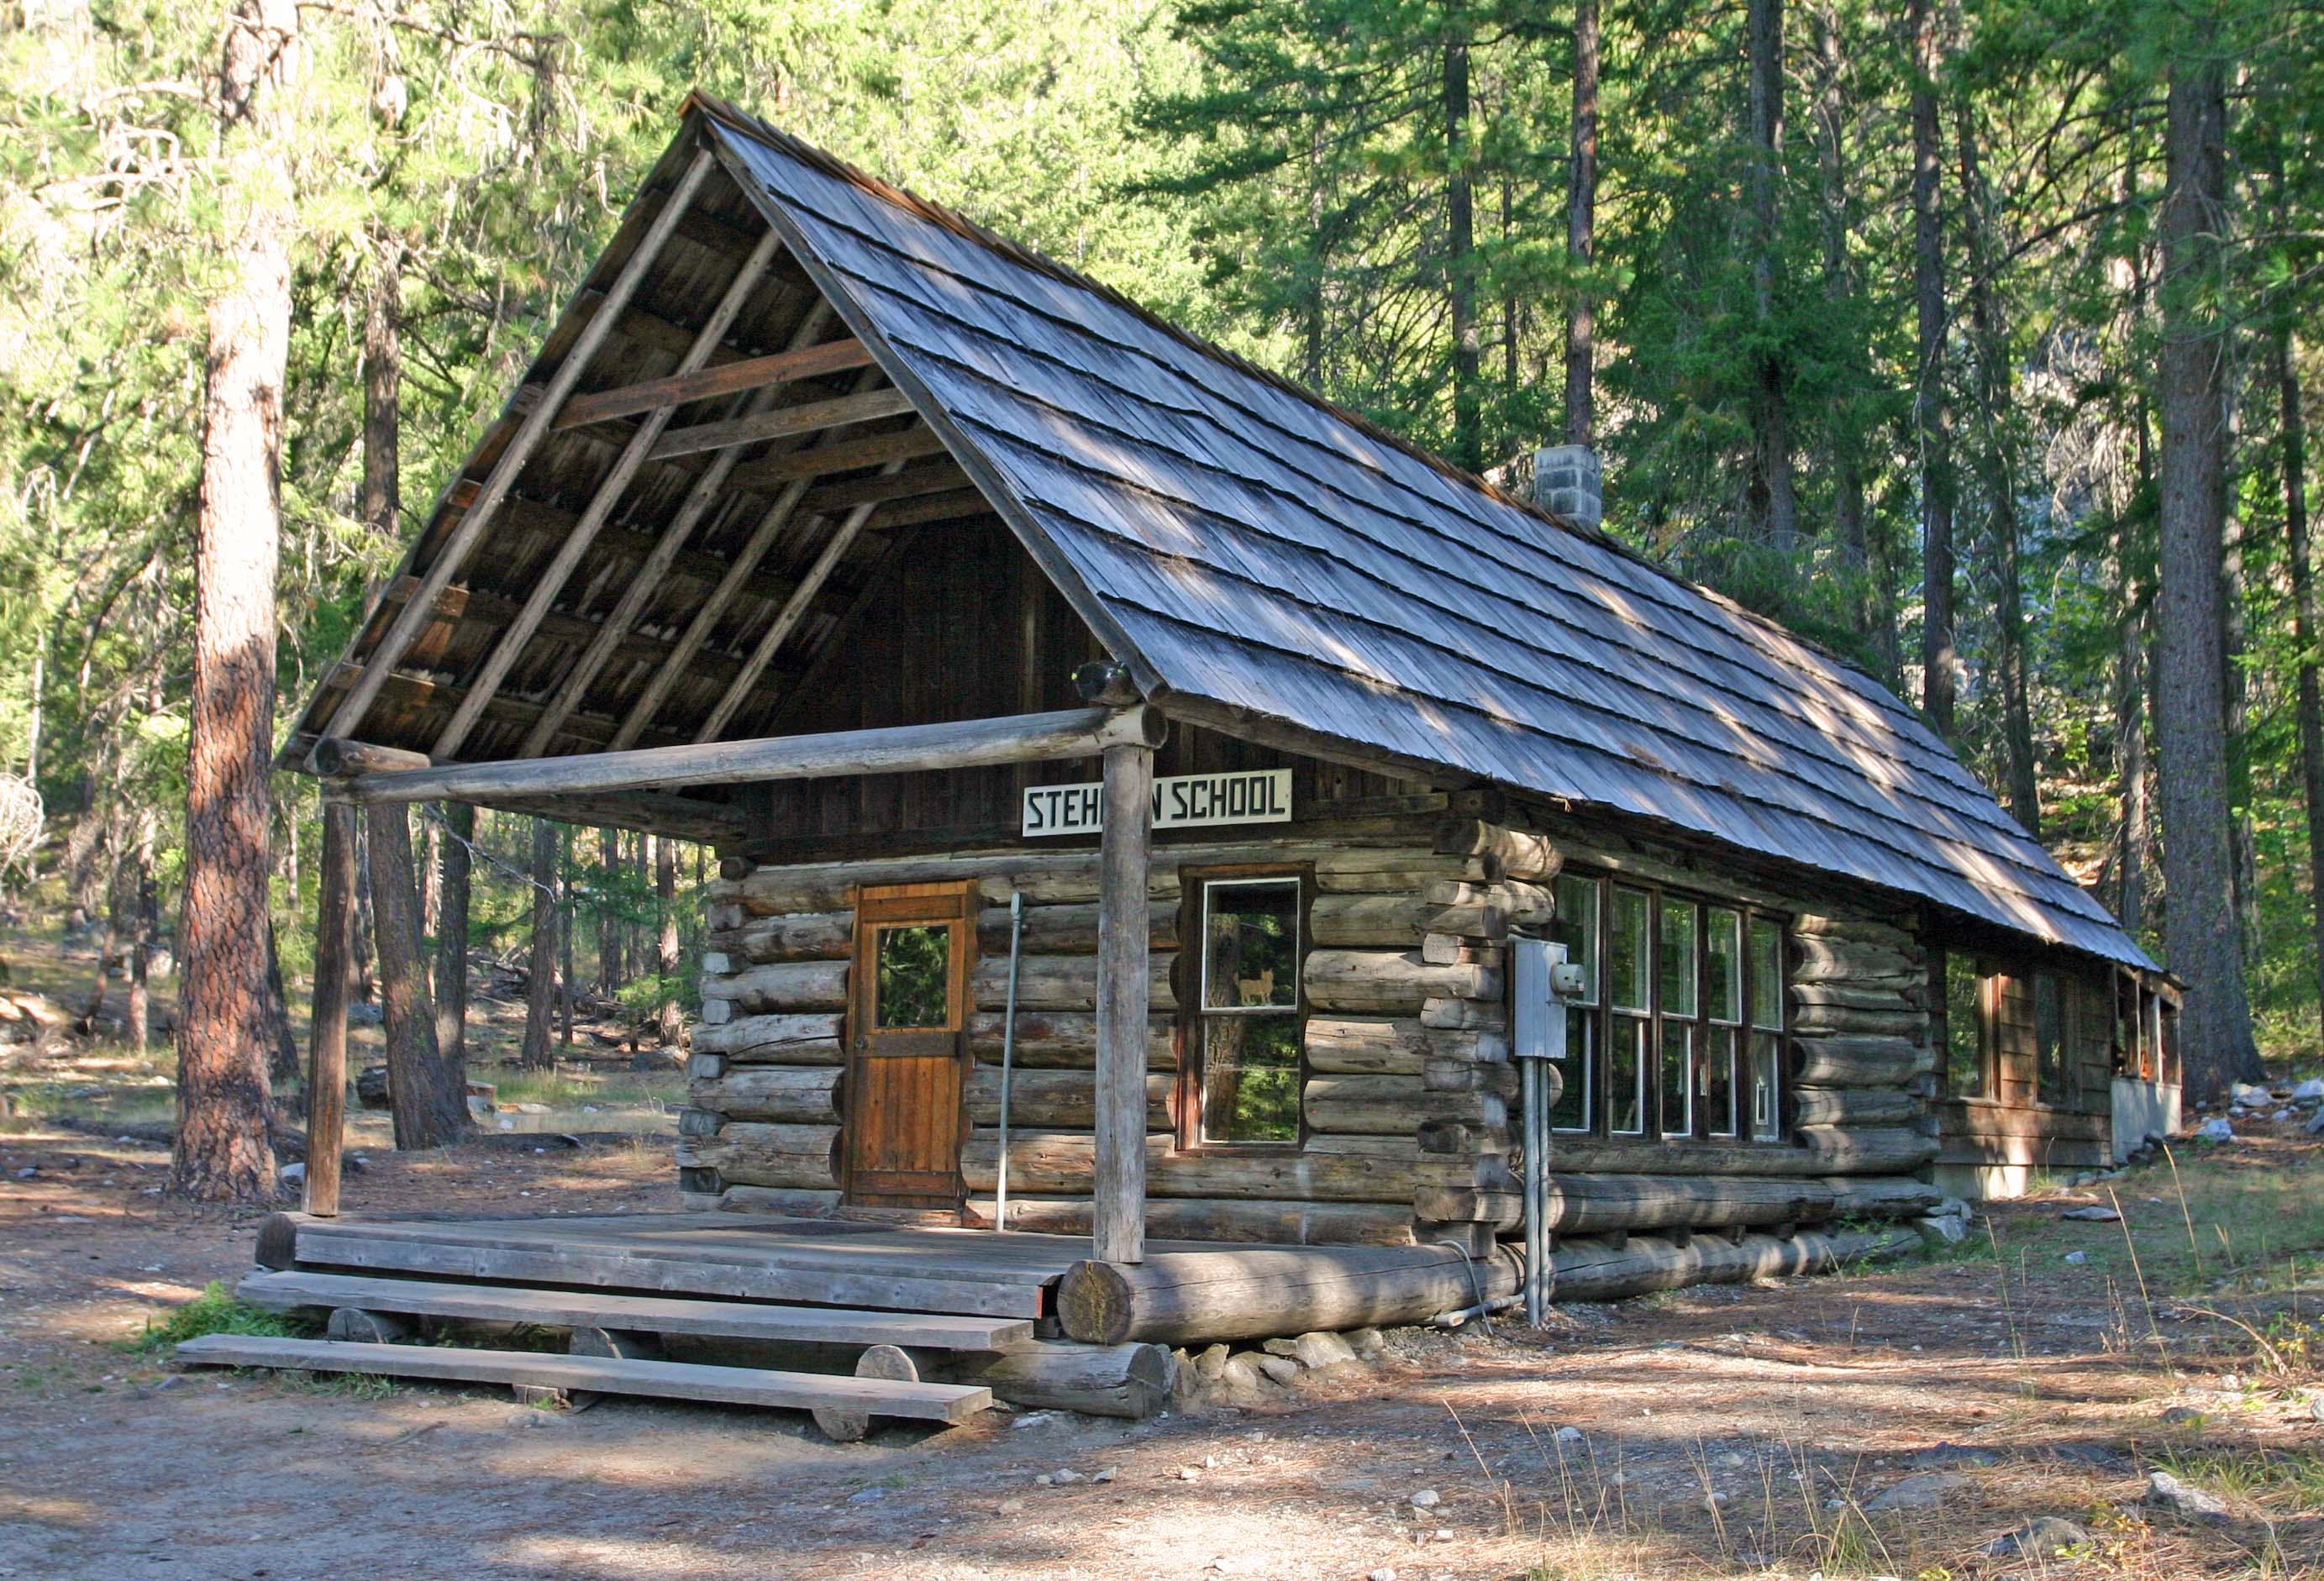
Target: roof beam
{"points": [[348, 719], [649, 577], [551, 582], [883, 486], [974, 743], [784, 367], [946, 507], [846, 456], [783, 422]]}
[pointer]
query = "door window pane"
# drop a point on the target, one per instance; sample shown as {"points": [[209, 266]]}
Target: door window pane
{"points": [[915, 976], [1766, 975], [1251, 945], [1631, 947], [1678, 1079], [1250, 1078], [1723, 955], [1575, 926]]}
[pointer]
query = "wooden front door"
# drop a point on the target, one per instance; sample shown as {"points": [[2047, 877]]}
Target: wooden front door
{"points": [[906, 1051]]}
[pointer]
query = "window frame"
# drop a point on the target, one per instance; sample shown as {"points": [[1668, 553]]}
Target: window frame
{"points": [[1189, 977], [1988, 975], [1603, 1019]]}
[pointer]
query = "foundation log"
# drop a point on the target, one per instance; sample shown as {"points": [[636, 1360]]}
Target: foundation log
{"points": [[1177, 1218], [1176, 1296], [1823, 1151], [1131, 1382], [755, 1153], [1583, 1204], [1602, 1271]]}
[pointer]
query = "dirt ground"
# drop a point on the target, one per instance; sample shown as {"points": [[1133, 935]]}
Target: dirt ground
{"points": [[2037, 1385]]}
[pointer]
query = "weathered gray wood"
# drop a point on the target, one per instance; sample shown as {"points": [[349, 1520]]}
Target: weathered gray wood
{"points": [[1820, 1151], [809, 1096], [1508, 854], [792, 1203], [756, 1153], [781, 986], [1534, 905], [1387, 980], [1273, 1221], [1063, 1163], [1066, 930], [805, 360], [1055, 1100], [777, 1038], [815, 936], [1393, 1106], [945, 1402], [548, 584], [1063, 1039], [1810, 1020], [1117, 1224], [366, 1325], [1079, 732], [348, 718], [1583, 1204], [327, 1048], [812, 417], [1062, 982], [1131, 1382], [1897, 1197], [1175, 1298], [889, 1361], [334, 758], [1842, 1106], [1856, 1062], [1601, 1271], [1855, 930]]}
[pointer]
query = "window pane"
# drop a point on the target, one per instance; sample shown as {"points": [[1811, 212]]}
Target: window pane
{"points": [[1678, 973], [1766, 975], [1572, 1110], [1767, 1117], [1678, 1079], [1964, 1056], [1723, 952], [1626, 1076], [915, 973], [1250, 1078], [1718, 1087], [1575, 926], [1250, 939], [2049, 1039], [1631, 947]]}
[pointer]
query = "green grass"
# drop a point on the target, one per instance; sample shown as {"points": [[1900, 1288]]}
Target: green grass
{"points": [[2290, 1480], [217, 1310]]}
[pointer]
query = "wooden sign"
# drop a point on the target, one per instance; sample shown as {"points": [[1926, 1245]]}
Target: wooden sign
{"points": [[1184, 801]]}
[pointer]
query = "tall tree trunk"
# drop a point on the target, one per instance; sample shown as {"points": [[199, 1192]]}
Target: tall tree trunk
{"points": [[540, 1000], [452, 934], [2235, 637], [569, 987], [1999, 466], [2135, 851], [2307, 626], [609, 914], [1937, 658], [381, 498], [672, 1024], [283, 1062], [1582, 233], [1839, 292], [1461, 260], [221, 1152], [427, 1095], [2201, 928], [144, 922], [1775, 502]]}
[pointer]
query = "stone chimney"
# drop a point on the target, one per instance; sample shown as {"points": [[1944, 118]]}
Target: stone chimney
{"points": [[1568, 482]]}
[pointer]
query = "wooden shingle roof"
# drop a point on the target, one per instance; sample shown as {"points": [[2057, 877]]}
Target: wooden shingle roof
{"points": [[1255, 555]]}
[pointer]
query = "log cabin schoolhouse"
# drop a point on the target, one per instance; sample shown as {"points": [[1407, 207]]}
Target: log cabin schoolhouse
{"points": [[1138, 782]]}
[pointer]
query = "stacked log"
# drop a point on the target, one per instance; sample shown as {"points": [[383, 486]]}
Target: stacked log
{"points": [[766, 1080], [1862, 1070]]}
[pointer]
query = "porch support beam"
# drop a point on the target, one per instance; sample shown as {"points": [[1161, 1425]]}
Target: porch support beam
{"points": [[327, 1047], [1117, 1222], [414, 617], [975, 743]]}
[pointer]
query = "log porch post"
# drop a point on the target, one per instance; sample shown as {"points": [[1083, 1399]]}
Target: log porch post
{"points": [[1117, 1222], [327, 1055]]}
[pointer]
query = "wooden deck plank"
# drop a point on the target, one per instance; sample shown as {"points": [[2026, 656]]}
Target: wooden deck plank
{"points": [[573, 1264], [945, 1402], [558, 1309]]}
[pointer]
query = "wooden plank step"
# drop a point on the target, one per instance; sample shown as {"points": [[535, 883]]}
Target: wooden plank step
{"points": [[561, 1308], [617, 1267], [944, 1403]]}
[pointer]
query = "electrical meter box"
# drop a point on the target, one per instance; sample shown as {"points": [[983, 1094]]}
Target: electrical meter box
{"points": [[1539, 980]]}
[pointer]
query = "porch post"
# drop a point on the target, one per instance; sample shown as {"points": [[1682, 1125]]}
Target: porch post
{"points": [[1118, 1220], [327, 1055]]}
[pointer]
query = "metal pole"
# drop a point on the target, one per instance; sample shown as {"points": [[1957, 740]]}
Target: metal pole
{"points": [[1008, 1057]]}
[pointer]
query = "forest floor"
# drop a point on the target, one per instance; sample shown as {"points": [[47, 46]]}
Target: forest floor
{"points": [[2023, 1385], [1757, 1430]]}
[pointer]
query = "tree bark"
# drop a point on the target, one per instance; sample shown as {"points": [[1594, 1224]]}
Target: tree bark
{"points": [[282, 1065], [1871, 613], [1460, 260], [144, 922], [326, 1026], [670, 1021], [221, 1152], [1582, 233], [2203, 929], [452, 934], [1929, 421], [1774, 499], [540, 1052], [609, 916], [2135, 847], [568, 988], [429, 1095], [2306, 624]]}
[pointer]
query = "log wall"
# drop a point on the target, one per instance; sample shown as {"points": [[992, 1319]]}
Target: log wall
{"points": [[1409, 1087]]}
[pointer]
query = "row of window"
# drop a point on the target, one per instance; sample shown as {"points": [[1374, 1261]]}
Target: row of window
{"points": [[2050, 1014]]}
